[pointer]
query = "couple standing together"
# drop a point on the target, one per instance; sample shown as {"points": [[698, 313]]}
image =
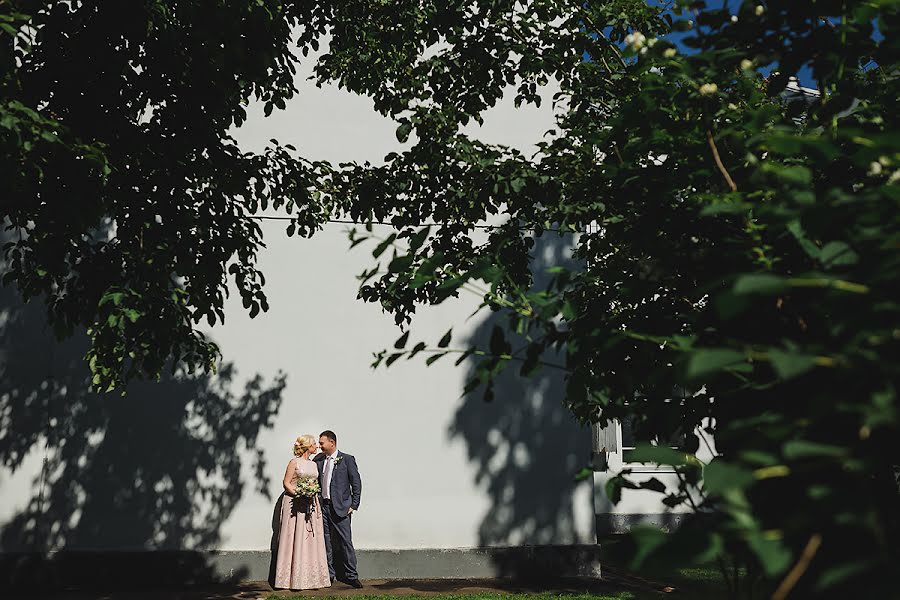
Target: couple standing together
{"points": [[321, 491]]}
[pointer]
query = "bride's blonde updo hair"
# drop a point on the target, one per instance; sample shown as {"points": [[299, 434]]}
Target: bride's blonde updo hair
{"points": [[303, 443]]}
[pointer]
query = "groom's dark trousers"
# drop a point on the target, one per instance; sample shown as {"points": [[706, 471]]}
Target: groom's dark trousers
{"points": [[338, 540], [345, 492]]}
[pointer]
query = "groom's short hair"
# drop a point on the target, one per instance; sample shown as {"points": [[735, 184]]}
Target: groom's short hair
{"points": [[330, 435]]}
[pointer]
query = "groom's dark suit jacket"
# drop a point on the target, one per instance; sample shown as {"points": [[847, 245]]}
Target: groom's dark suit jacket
{"points": [[346, 485]]}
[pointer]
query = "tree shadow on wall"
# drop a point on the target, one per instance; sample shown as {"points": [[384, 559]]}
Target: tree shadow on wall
{"points": [[157, 469], [527, 445]]}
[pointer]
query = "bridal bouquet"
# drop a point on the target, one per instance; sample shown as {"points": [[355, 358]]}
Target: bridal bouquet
{"points": [[306, 486]]}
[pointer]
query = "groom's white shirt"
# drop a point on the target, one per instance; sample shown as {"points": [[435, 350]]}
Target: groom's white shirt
{"points": [[326, 487]]}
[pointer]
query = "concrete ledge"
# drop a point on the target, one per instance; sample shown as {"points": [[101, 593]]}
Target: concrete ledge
{"points": [[467, 563], [111, 569], [622, 523]]}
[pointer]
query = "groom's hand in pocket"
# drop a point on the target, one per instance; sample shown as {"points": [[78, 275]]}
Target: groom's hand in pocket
{"points": [[349, 511]]}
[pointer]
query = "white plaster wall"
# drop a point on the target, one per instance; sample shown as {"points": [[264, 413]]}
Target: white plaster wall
{"points": [[501, 477], [419, 488]]}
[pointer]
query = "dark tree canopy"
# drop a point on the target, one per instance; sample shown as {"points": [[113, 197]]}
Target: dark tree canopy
{"points": [[738, 237], [122, 189]]}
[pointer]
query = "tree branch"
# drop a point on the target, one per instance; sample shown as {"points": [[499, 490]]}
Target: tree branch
{"points": [[785, 587], [718, 159], [615, 51]]}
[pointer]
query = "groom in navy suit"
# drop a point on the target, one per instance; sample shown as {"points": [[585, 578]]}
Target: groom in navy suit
{"points": [[341, 492]]}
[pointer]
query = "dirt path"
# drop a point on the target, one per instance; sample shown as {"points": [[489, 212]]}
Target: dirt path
{"points": [[255, 590]]}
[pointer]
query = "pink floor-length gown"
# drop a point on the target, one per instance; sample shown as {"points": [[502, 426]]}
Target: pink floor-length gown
{"points": [[301, 562]]}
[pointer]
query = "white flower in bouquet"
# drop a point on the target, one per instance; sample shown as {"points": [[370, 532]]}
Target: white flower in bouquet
{"points": [[306, 486]]}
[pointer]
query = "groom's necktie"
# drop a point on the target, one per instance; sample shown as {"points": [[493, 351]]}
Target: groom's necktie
{"points": [[326, 478]]}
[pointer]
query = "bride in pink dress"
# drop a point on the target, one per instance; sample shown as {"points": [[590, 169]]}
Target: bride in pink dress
{"points": [[301, 562]]}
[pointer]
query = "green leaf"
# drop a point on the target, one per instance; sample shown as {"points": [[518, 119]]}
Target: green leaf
{"points": [[401, 263], [706, 362], [799, 234], [720, 476], [416, 241], [789, 364], [445, 341], [838, 254], [471, 386], [758, 457], [403, 131], [730, 305], [774, 557], [724, 208], [647, 539], [430, 264], [760, 283], [114, 297], [485, 270], [835, 575], [584, 474], [794, 174], [795, 449], [661, 455]]}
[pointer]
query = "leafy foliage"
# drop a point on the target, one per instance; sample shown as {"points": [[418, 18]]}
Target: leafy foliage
{"points": [[122, 190], [738, 240], [738, 237]]}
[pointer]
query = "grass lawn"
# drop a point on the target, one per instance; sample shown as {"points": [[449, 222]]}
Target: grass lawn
{"points": [[622, 595]]}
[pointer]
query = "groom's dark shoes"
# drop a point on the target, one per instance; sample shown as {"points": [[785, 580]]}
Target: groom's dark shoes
{"points": [[356, 583]]}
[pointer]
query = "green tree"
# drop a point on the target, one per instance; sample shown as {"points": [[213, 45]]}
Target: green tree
{"points": [[739, 238], [738, 242], [123, 195]]}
